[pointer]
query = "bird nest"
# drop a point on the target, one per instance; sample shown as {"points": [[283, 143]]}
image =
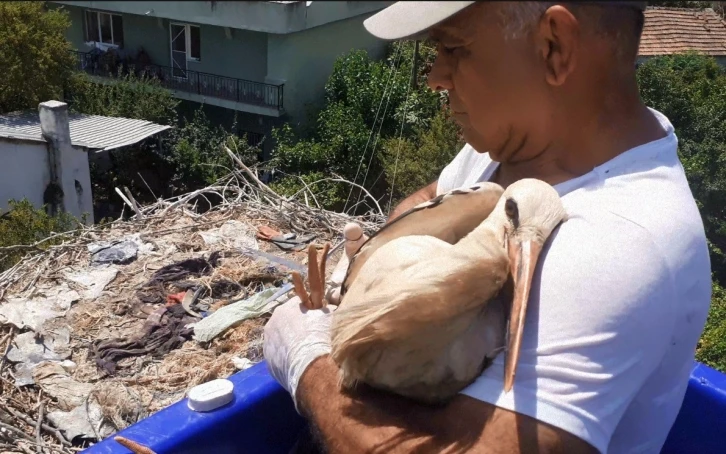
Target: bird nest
{"points": [[99, 331]]}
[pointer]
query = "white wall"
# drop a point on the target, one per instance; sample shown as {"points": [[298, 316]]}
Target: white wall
{"points": [[78, 197], [24, 172]]}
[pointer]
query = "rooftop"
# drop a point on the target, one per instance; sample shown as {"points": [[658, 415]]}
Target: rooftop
{"points": [[93, 132], [672, 30]]}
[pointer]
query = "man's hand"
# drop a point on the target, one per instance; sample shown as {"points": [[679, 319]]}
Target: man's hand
{"points": [[294, 337], [422, 195]]}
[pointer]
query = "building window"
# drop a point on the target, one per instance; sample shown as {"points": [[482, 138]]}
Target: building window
{"points": [[186, 39], [104, 28]]}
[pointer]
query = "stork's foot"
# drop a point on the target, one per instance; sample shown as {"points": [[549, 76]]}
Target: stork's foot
{"points": [[316, 278]]}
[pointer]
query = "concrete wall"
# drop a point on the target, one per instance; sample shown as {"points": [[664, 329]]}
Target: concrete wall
{"points": [[242, 55], [304, 60], [267, 17], [24, 172]]}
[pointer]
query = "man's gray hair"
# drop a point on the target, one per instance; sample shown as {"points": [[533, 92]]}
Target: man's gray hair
{"points": [[609, 21]]}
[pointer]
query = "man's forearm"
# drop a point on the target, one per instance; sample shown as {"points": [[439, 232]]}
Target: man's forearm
{"points": [[372, 421], [422, 195]]}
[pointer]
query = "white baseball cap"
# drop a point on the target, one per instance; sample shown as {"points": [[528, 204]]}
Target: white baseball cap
{"points": [[413, 19]]}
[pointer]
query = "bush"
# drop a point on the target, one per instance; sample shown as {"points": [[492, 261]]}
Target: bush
{"points": [[128, 96], [23, 224]]}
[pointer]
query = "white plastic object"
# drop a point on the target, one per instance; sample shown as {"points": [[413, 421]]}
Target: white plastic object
{"points": [[211, 395]]}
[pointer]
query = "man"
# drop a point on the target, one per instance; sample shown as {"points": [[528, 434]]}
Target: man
{"points": [[622, 290]]}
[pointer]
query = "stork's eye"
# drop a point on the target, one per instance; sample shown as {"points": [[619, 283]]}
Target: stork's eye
{"points": [[511, 209]]}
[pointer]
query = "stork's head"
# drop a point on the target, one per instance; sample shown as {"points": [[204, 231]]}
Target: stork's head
{"points": [[532, 209]]}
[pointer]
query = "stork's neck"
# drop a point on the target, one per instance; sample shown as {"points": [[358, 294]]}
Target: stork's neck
{"points": [[488, 233]]}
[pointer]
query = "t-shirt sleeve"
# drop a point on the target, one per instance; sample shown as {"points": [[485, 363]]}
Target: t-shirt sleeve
{"points": [[600, 317], [465, 169]]}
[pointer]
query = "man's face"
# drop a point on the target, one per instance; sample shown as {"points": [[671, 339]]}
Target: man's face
{"points": [[496, 87]]}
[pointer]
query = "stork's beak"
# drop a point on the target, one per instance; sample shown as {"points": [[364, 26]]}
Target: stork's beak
{"points": [[523, 257]]}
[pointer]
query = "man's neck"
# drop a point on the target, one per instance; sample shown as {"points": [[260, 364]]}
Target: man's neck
{"points": [[605, 137]]}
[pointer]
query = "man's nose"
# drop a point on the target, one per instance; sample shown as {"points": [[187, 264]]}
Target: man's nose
{"points": [[440, 75]]}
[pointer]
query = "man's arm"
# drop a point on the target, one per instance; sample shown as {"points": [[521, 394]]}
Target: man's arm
{"points": [[422, 195], [372, 421]]}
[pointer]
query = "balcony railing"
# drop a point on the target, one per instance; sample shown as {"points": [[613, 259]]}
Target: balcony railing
{"points": [[239, 90]]}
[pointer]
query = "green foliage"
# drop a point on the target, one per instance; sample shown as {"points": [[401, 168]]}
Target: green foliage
{"points": [[410, 164], [128, 96], [712, 345], [196, 155], [690, 89], [34, 54], [368, 105], [25, 225]]}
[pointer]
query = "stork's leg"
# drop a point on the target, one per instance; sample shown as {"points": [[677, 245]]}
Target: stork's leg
{"points": [[316, 279], [300, 291]]}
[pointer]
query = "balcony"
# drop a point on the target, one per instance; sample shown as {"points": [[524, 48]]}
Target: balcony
{"points": [[201, 86]]}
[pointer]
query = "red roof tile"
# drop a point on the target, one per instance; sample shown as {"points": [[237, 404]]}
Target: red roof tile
{"points": [[673, 30]]}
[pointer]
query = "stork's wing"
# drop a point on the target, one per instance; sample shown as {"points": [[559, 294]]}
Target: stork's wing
{"points": [[448, 217], [422, 288]]}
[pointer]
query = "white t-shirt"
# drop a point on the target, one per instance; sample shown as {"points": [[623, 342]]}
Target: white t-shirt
{"points": [[619, 300]]}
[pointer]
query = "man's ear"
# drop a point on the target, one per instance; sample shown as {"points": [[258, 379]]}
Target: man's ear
{"points": [[558, 37]]}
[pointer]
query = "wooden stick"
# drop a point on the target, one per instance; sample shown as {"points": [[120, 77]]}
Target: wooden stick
{"points": [[55, 432], [38, 423]]}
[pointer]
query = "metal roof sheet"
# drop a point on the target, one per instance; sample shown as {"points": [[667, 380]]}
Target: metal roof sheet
{"points": [[88, 131]]}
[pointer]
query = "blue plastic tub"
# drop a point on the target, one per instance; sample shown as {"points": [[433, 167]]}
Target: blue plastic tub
{"points": [[262, 419]]}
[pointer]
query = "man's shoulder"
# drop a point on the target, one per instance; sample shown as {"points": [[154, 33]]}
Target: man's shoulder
{"points": [[649, 219]]}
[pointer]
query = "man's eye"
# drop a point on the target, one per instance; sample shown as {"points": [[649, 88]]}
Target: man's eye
{"points": [[449, 49]]}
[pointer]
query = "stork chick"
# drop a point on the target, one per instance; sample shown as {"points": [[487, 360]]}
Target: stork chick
{"points": [[424, 316]]}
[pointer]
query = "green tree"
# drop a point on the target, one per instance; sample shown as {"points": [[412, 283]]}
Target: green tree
{"points": [[34, 54], [368, 103]]}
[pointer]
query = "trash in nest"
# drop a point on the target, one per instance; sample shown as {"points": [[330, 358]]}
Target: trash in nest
{"points": [[121, 252], [46, 304], [279, 260], [153, 291], [55, 381], [31, 349], [225, 317], [242, 363], [95, 280], [164, 330], [85, 421], [287, 241], [234, 233]]}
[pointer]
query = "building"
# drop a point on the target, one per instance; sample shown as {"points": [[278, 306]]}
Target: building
{"points": [[268, 61], [45, 155], [675, 30]]}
